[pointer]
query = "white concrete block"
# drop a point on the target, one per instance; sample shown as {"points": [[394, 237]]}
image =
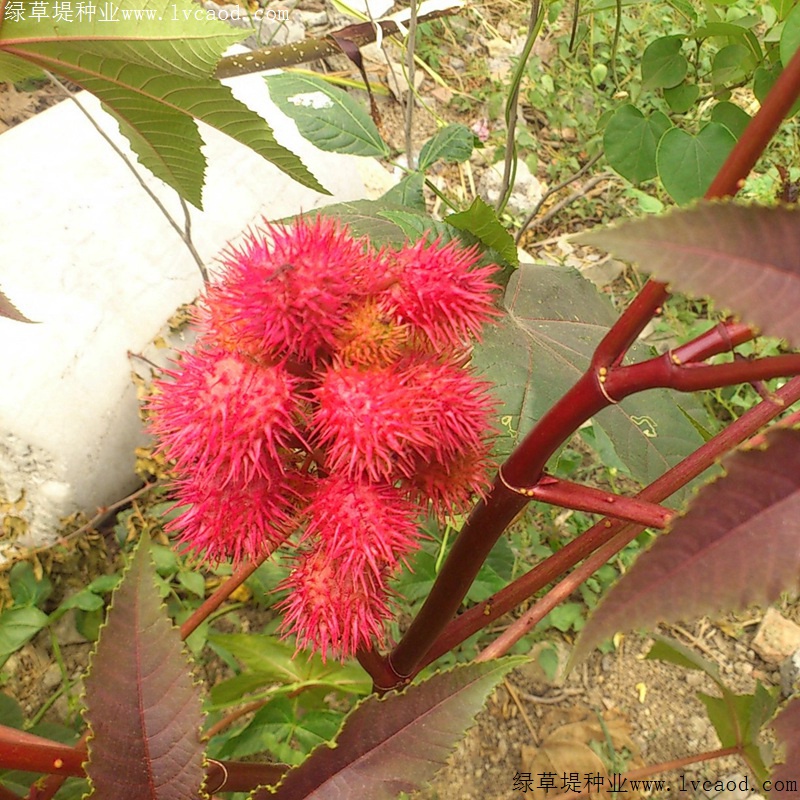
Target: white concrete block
{"points": [[86, 253]]}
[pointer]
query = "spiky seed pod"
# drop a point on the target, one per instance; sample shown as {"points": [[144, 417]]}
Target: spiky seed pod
{"points": [[441, 292], [288, 289], [224, 417], [364, 421], [459, 410], [335, 606], [370, 522], [240, 520], [451, 487]]}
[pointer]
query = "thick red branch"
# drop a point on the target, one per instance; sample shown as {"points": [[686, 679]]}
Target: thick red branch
{"points": [[595, 501], [627, 328], [24, 751], [490, 518], [664, 372], [517, 592], [721, 338]]}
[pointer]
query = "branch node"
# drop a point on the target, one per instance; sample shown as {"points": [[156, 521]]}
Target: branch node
{"points": [[524, 491], [601, 382]]}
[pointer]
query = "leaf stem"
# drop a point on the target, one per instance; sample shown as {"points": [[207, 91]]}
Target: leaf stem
{"points": [[21, 750], [663, 371], [223, 592], [596, 501], [288, 55]]}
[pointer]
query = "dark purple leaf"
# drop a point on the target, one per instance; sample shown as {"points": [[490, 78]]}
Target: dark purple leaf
{"points": [[9, 310], [745, 257], [143, 708], [738, 544], [397, 743], [787, 728]]}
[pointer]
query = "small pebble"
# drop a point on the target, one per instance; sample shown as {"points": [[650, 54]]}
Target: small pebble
{"points": [[694, 678]]}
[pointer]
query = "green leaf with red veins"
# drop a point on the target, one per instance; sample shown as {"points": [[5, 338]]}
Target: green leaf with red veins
{"points": [[743, 257], [396, 743], [735, 546], [142, 705]]}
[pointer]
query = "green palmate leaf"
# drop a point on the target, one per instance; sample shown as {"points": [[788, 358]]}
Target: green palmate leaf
{"points": [[327, 116], [737, 720], [142, 706], [407, 193], [631, 141], [267, 655], [688, 573], [285, 729], [663, 66], [18, 626], [481, 221], [232, 691], [13, 69], [538, 351], [396, 743], [743, 257], [388, 224], [154, 72], [452, 143], [672, 652], [379, 221], [687, 164]]}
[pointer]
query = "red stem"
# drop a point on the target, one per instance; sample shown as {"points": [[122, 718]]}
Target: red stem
{"points": [[664, 372], [20, 750], [627, 328], [223, 592], [25, 751], [488, 611], [720, 339], [596, 501]]}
